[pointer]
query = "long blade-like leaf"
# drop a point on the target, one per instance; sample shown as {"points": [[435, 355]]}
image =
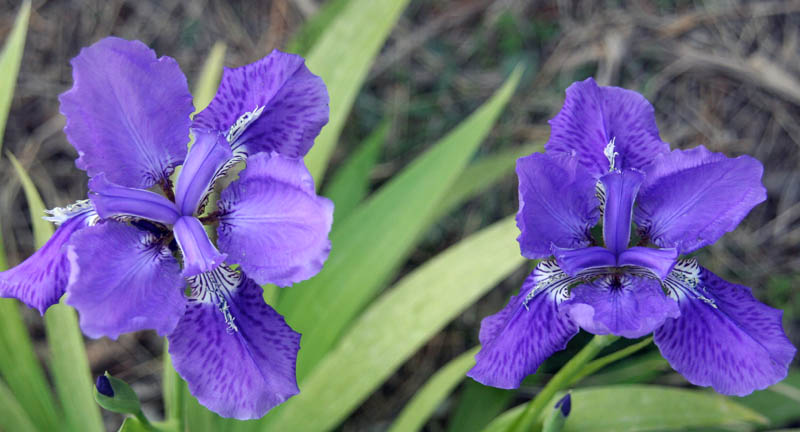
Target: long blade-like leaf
{"points": [[350, 183], [307, 35], [10, 61], [342, 57], [398, 324], [12, 415], [478, 406], [209, 77], [643, 408], [425, 401], [68, 362], [370, 245]]}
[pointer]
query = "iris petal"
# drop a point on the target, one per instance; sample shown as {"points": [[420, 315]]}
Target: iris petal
{"points": [[114, 200], [235, 352], [204, 164], [127, 113], [724, 337], [620, 191], [199, 254]]}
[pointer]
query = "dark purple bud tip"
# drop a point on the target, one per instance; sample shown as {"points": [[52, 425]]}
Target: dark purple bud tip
{"points": [[104, 386], [565, 403]]}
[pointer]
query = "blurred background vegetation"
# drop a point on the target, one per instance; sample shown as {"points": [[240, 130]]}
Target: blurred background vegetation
{"points": [[724, 74]]}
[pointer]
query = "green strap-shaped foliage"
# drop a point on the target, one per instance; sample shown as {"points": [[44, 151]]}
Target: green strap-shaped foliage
{"points": [[10, 61], [342, 56], [371, 244], [68, 363], [12, 416], [396, 325]]}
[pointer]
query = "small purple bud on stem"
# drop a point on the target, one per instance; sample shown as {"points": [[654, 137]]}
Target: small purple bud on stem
{"points": [[104, 386], [565, 404]]}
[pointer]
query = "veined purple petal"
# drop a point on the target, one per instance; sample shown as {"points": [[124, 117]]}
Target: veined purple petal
{"points": [[275, 104], [690, 198], [41, 280], [235, 352], [199, 254], [123, 280], [630, 306], [620, 191], [516, 340], [593, 116], [114, 200], [127, 112], [574, 261], [204, 163], [724, 338], [658, 261], [272, 223], [557, 204]]}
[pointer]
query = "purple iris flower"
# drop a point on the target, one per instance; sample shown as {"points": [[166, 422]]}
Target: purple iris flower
{"points": [[605, 163], [126, 256]]}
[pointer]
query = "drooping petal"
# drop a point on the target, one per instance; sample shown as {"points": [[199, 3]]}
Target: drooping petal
{"points": [[724, 338], [557, 204], [620, 191], [127, 112], [690, 198], [199, 254], [272, 223], [236, 353], [630, 307], [593, 116], [114, 200], [273, 105], [516, 340], [41, 280], [204, 165], [123, 280], [574, 261]]}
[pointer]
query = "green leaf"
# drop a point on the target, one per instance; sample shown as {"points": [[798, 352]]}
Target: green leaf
{"points": [[479, 404], [644, 408], [123, 401], [208, 81], [350, 185], [68, 362], [397, 324], [12, 416], [342, 57], [780, 403], [10, 61], [482, 174], [425, 401], [131, 424], [371, 244], [309, 33]]}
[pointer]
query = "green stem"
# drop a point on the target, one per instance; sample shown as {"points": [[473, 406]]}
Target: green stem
{"points": [[602, 362], [144, 421], [559, 381]]}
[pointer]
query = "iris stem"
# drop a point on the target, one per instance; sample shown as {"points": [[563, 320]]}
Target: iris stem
{"points": [[604, 361], [560, 380]]}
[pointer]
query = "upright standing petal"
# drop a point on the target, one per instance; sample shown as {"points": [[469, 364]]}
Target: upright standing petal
{"points": [[199, 254], [620, 190], [127, 112], [516, 340], [690, 198], [273, 105], [593, 116], [272, 223], [204, 164], [724, 337], [629, 306], [123, 279], [557, 204], [235, 352], [41, 280]]}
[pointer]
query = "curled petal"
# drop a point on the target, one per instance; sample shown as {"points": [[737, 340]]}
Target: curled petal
{"points": [[123, 280], [114, 200], [235, 352], [575, 261], [41, 280], [204, 165], [199, 254], [620, 189], [657, 261], [690, 198], [631, 307], [724, 337], [557, 204], [127, 112], [272, 223], [516, 340], [273, 105], [593, 116]]}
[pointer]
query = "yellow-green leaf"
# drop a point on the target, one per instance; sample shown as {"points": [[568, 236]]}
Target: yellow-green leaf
{"points": [[10, 61]]}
